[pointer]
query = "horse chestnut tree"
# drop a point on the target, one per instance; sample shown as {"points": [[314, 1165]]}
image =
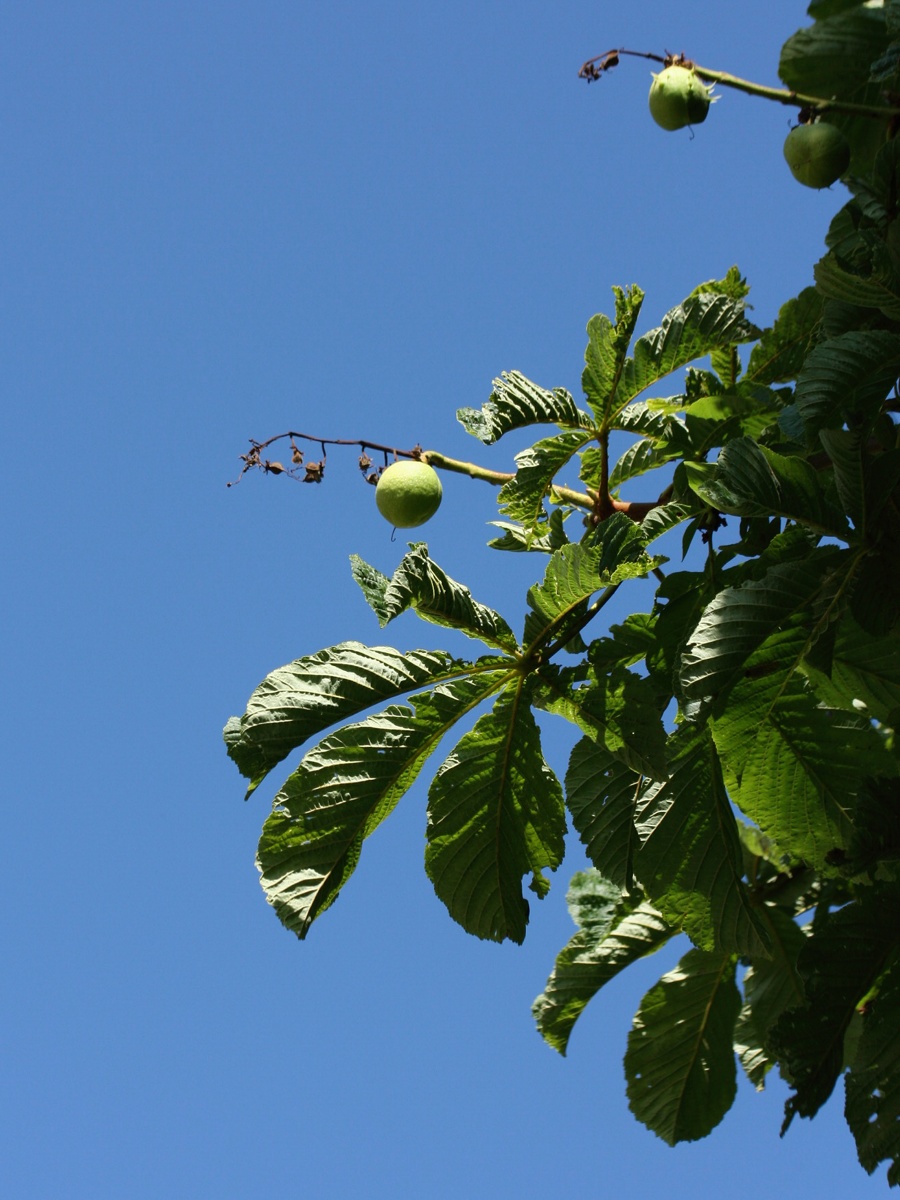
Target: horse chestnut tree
{"points": [[735, 767]]}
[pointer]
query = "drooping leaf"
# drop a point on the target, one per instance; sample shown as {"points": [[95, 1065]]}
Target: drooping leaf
{"points": [[739, 619], [680, 1062], [495, 814], [343, 789], [639, 458], [420, 584], [601, 796], [607, 349], [690, 856], [522, 498], [515, 403], [301, 699], [844, 448], [614, 932], [872, 1103], [839, 965], [753, 481]]}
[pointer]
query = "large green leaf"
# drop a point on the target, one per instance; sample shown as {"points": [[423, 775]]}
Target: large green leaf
{"points": [[867, 278], [839, 965], [750, 480], [680, 1062], [873, 1083], [739, 619], [576, 571], [614, 931], [343, 789], [690, 858], [420, 584], [515, 403], [601, 796], [779, 354], [847, 377], [701, 324], [606, 351], [301, 699], [616, 708], [522, 498], [793, 766], [495, 814], [863, 668]]}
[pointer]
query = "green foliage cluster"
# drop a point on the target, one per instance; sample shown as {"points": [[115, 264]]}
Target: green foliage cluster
{"points": [[735, 776]]}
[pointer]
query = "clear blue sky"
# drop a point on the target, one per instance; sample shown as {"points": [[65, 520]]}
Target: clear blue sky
{"points": [[221, 220]]}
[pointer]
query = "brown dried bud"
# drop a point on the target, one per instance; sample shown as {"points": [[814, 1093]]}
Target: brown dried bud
{"points": [[297, 456], [314, 472], [364, 461], [274, 468]]}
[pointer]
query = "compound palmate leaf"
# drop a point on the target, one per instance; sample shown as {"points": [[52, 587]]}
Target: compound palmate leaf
{"points": [[495, 814], [343, 789], [614, 931], [299, 700], [680, 1061]]}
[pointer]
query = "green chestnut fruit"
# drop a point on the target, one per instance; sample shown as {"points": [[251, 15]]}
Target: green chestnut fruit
{"points": [[678, 98], [408, 493], [818, 154]]}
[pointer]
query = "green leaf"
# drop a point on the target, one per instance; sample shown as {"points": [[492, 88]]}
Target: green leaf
{"points": [[613, 934], [606, 350], [420, 584], [751, 481], [866, 277], [343, 789], [739, 619], [844, 448], [700, 325], [522, 498], [680, 1062], [864, 668], [615, 708], [575, 572], [839, 965], [515, 537], [793, 767], [639, 458], [515, 403], [873, 1083], [690, 859], [601, 796], [781, 350], [306, 696], [771, 985], [847, 378], [495, 813]]}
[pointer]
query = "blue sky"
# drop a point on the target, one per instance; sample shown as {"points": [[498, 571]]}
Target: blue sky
{"points": [[222, 220]]}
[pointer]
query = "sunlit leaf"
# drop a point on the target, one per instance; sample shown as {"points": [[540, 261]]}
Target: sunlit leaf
{"points": [[495, 814], [614, 932], [515, 403], [680, 1061]]}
